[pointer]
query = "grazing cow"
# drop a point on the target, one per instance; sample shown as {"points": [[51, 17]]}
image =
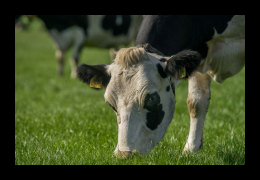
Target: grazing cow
{"points": [[140, 83], [74, 31]]}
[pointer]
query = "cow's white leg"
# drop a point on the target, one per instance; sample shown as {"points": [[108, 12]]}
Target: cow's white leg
{"points": [[60, 61], [74, 65], [79, 39], [198, 103]]}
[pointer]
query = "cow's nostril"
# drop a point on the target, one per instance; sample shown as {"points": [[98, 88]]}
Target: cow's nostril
{"points": [[123, 154]]}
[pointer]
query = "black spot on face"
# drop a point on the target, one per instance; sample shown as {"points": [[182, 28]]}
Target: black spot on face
{"points": [[154, 119], [151, 101], [168, 88], [155, 113], [161, 71]]}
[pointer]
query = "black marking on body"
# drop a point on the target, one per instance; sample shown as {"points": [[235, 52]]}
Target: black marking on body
{"points": [[110, 23], [63, 22], [161, 71], [171, 34], [155, 113]]}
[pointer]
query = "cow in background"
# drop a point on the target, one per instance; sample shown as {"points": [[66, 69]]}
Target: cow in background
{"points": [[75, 31]]}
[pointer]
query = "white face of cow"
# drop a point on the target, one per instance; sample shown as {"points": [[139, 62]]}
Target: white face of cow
{"points": [[143, 102], [140, 89]]}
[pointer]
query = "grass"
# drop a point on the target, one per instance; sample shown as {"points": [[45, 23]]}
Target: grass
{"points": [[61, 121]]}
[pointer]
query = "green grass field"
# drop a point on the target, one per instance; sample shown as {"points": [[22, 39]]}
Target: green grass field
{"points": [[62, 121]]}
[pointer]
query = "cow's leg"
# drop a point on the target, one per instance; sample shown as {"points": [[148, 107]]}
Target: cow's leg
{"points": [[79, 40], [61, 48], [198, 103], [74, 65], [75, 61], [60, 62]]}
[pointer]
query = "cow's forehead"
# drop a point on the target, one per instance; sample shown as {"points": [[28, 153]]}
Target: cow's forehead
{"points": [[140, 74], [129, 58], [142, 66]]}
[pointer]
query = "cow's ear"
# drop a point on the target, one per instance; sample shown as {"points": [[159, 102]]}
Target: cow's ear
{"points": [[95, 76], [183, 64]]}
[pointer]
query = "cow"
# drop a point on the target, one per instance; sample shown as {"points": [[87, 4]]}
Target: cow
{"points": [[140, 84], [75, 31]]}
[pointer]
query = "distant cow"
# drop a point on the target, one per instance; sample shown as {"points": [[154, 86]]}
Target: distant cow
{"points": [[140, 83], [75, 31]]}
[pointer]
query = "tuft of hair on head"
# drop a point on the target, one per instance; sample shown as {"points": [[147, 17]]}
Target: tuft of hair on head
{"points": [[127, 57]]}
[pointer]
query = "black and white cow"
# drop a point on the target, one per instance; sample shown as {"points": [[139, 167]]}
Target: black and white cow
{"points": [[140, 83], [74, 31]]}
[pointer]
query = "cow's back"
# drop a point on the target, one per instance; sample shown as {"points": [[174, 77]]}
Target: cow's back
{"points": [[112, 30], [207, 34], [99, 30], [63, 22], [171, 34]]}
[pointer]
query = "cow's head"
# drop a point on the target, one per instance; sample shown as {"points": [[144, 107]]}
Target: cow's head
{"points": [[140, 87]]}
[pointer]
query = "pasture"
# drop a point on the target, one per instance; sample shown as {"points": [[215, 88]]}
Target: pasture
{"points": [[62, 121]]}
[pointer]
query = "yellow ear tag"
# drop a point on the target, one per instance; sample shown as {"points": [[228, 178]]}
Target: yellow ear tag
{"points": [[95, 83], [182, 73]]}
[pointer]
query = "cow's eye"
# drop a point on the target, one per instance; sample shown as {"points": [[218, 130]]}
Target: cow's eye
{"points": [[151, 101]]}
